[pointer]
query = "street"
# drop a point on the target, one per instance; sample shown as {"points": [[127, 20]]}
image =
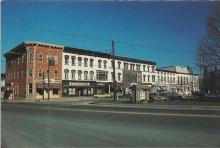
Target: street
{"points": [[29, 125]]}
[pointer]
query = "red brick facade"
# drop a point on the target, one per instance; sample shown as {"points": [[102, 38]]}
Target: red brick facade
{"points": [[32, 82]]}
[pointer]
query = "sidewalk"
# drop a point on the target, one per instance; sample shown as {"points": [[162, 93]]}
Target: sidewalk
{"points": [[61, 100]]}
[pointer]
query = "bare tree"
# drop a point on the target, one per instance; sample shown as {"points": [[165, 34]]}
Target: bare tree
{"points": [[209, 46]]}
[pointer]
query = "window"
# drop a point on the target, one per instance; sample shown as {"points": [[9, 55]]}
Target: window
{"points": [[18, 60], [119, 65], [79, 61], [148, 68], [126, 66], [112, 63], [91, 73], [144, 67], [17, 89], [79, 75], [158, 78], [48, 73], [91, 62], [48, 58], [40, 57], [72, 91], [22, 74], [66, 73], [144, 78], [56, 59], [100, 63], [138, 67], [119, 76], [73, 60], [173, 79], [22, 59], [30, 72], [66, 59], [132, 67], [86, 62], [161, 78], [18, 75], [165, 80], [168, 79], [112, 75], [105, 64], [153, 68], [55, 92], [30, 88], [101, 75], [55, 73], [73, 74], [31, 56], [40, 73], [148, 78], [85, 75]]}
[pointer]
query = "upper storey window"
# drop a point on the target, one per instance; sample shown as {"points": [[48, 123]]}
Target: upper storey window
{"points": [[73, 60], [86, 62], [105, 64], [79, 61], [99, 63], [66, 59], [31, 56], [91, 62], [40, 57]]}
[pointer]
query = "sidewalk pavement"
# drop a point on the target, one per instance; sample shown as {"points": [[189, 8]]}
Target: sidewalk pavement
{"points": [[63, 99]]}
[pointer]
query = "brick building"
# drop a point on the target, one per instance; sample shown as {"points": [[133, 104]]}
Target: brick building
{"points": [[27, 70]]}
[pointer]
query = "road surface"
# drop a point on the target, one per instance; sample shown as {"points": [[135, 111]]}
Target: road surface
{"points": [[27, 125]]}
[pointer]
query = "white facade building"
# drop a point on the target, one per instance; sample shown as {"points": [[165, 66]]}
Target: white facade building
{"points": [[177, 79], [88, 72]]}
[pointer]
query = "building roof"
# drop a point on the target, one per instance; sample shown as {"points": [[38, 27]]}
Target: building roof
{"points": [[177, 69]]}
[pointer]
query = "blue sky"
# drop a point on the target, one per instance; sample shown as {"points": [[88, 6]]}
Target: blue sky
{"points": [[165, 32]]}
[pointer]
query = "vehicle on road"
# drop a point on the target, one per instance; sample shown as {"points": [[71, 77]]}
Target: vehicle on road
{"points": [[103, 96]]}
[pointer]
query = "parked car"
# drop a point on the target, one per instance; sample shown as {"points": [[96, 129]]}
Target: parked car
{"points": [[103, 96]]}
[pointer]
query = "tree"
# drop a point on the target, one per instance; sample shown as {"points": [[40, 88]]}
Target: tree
{"points": [[208, 52], [209, 46]]}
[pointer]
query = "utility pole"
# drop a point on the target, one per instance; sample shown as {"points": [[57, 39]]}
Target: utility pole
{"points": [[48, 76], [43, 85], [113, 66]]}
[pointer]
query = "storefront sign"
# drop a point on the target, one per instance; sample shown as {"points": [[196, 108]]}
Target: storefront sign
{"points": [[79, 84]]}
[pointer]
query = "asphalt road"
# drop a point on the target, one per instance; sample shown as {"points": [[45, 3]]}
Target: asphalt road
{"points": [[43, 125]]}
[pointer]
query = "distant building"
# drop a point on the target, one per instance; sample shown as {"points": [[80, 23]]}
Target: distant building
{"points": [[177, 79]]}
